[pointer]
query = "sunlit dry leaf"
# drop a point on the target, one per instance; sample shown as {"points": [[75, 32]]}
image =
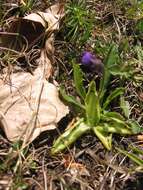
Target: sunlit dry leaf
{"points": [[76, 169], [58, 13], [26, 99], [140, 137], [29, 104], [140, 95]]}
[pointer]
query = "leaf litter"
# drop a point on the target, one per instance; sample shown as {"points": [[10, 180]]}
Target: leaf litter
{"points": [[29, 104]]}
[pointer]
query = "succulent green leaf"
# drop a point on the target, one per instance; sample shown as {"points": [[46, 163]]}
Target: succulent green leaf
{"points": [[78, 81], [117, 92], [71, 99], [113, 117], [103, 136], [125, 107], [92, 105], [124, 128], [109, 115], [69, 136], [121, 70], [113, 122], [118, 128]]}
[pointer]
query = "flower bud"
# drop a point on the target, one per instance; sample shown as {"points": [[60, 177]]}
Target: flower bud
{"points": [[91, 63]]}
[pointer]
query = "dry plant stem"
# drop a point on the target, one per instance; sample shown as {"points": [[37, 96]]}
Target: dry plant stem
{"points": [[108, 172], [38, 184], [19, 161], [10, 50], [44, 175], [14, 35], [31, 126], [118, 170], [118, 28]]}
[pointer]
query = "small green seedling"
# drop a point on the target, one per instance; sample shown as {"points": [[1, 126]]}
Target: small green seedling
{"points": [[95, 114], [78, 21], [26, 6]]}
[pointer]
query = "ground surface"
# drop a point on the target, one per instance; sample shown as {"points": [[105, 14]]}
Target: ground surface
{"points": [[87, 165]]}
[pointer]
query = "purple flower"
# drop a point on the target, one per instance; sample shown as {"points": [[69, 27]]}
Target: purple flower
{"points": [[92, 63], [86, 58]]}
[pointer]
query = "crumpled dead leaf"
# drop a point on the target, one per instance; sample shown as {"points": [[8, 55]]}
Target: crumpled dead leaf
{"points": [[29, 104], [28, 100], [75, 169], [140, 95], [24, 32]]}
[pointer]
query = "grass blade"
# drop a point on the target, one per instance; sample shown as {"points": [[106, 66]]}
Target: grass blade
{"points": [[132, 156]]}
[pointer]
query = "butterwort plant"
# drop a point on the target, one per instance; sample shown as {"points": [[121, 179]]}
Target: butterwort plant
{"points": [[95, 114]]}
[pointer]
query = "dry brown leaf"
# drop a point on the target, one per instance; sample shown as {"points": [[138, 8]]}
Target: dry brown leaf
{"points": [[29, 101], [29, 104], [140, 137], [76, 169], [140, 95], [23, 33]]}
